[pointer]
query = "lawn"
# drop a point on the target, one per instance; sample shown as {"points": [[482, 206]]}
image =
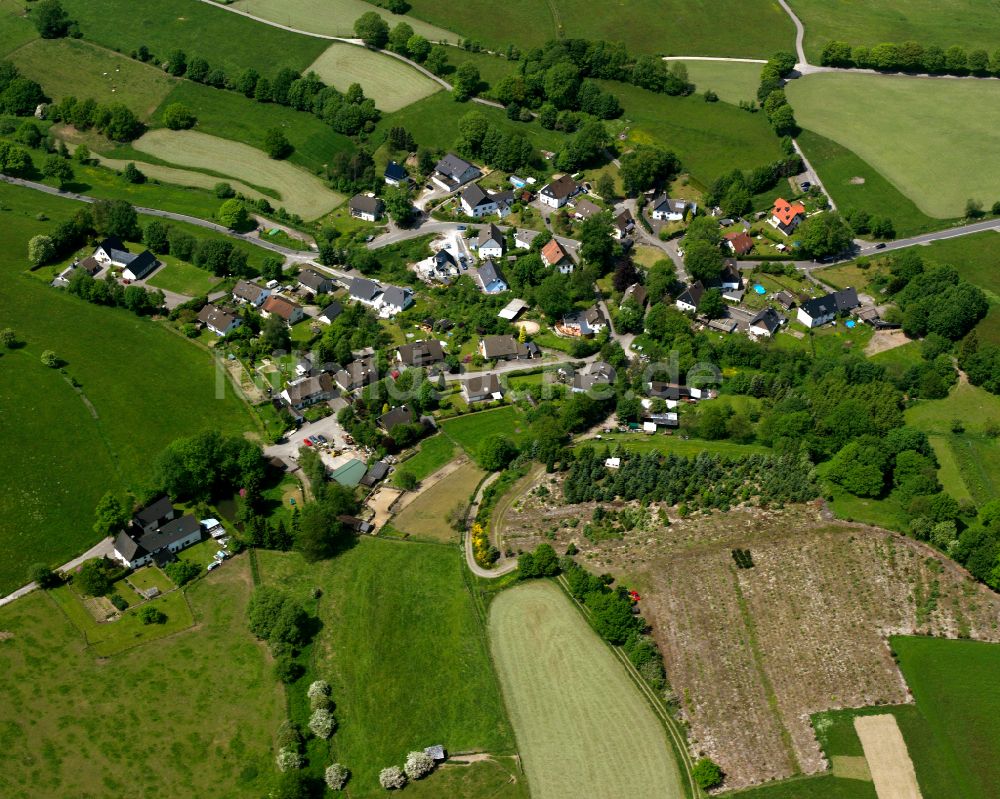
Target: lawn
{"points": [[572, 704], [388, 81], [220, 37], [78, 68], [426, 517], [709, 138], [492, 68], [300, 192], [333, 17], [639, 442], [432, 454], [150, 577], [667, 27], [140, 387], [943, 132], [969, 23], [15, 28], [467, 431], [182, 277], [854, 184], [205, 696], [731, 80], [405, 652]]}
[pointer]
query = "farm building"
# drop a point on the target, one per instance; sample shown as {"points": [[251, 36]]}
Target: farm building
{"points": [[155, 533]]}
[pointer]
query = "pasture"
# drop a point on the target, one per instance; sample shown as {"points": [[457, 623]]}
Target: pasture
{"points": [[15, 27], [300, 192], [218, 36], [799, 632], [944, 132], [731, 80], [75, 67], [79, 729], [140, 388], [969, 23], [334, 17], [426, 517], [403, 648], [468, 430], [639, 442], [182, 277], [388, 81], [709, 138], [432, 454], [583, 728]]}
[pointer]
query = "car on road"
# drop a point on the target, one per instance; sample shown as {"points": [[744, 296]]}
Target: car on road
{"points": [[460, 227], [880, 245]]}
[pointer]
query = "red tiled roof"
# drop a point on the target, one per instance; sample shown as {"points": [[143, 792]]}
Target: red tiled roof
{"points": [[740, 241], [552, 253], [785, 212], [280, 306]]}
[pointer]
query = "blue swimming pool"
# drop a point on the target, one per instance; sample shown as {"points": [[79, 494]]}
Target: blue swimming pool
{"points": [[850, 323], [760, 289]]}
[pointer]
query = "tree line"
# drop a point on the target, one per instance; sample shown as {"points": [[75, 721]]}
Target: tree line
{"points": [[911, 56]]}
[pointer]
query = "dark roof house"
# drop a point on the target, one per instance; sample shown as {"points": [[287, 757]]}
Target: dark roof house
{"points": [[420, 353]]}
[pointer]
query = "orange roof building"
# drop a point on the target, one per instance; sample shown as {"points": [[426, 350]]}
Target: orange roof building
{"points": [[552, 253], [740, 242], [786, 216]]}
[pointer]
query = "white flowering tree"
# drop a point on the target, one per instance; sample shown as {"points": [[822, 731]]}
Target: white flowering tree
{"points": [[336, 776], [319, 695], [418, 765], [392, 778], [289, 759], [322, 723]]}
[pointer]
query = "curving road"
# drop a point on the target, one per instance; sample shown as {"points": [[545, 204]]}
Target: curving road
{"points": [[800, 33], [505, 567]]}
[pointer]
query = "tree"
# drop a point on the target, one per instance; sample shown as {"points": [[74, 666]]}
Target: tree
{"points": [[496, 452], [712, 305], [552, 298], [860, 467], [224, 191], [405, 479], [154, 236], [611, 615], [233, 214], [437, 59], [319, 531], [150, 615], [82, 154], [586, 147], [399, 38], [466, 82], [783, 121], [40, 249], [51, 19], [42, 575], [418, 765], [824, 234], [372, 30], [122, 125], [181, 572], [392, 778], [92, 577], [399, 206], [115, 218], [646, 167], [110, 515], [28, 134], [8, 338], [322, 723], [274, 334], [132, 174], [49, 359], [605, 187], [418, 48], [336, 776], [58, 168], [178, 116], [707, 773], [703, 261], [276, 144]]}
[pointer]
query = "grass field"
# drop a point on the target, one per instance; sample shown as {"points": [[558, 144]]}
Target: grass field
{"points": [[467, 431], [731, 80], [214, 34], [426, 516], [433, 453], [709, 138], [854, 184], [969, 23], [301, 193], [142, 387], [182, 277], [75, 67], [638, 442], [80, 729], [389, 82], [333, 17], [15, 28], [945, 149], [664, 27], [583, 728], [405, 652], [492, 69]]}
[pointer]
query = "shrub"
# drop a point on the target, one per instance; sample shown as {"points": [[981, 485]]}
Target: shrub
{"points": [[178, 116], [92, 578], [49, 359], [392, 778], [418, 765], [286, 670], [118, 601], [317, 689], [707, 773], [289, 736], [336, 776], [182, 571], [151, 615], [41, 249], [289, 759], [43, 575], [322, 723]]}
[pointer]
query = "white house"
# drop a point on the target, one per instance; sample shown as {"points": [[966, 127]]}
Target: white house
{"points": [[140, 266], [623, 225], [786, 216], [112, 252], [523, 239], [475, 202], [557, 193], [308, 391], [766, 323], [553, 254], [311, 280], [690, 297], [585, 209], [665, 209], [491, 242], [155, 533], [395, 300], [217, 320], [452, 171], [252, 294], [491, 278], [367, 292], [366, 207], [820, 310], [396, 175], [290, 311], [482, 388]]}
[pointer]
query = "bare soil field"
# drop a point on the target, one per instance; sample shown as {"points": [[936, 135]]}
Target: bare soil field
{"points": [[751, 653]]}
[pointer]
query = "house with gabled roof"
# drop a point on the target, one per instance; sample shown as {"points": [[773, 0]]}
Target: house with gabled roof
{"points": [[766, 323], [688, 299], [623, 225], [397, 416], [313, 281], [557, 193], [507, 348], [367, 292], [250, 293], [553, 254], [366, 207], [308, 391], [635, 293], [420, 353], [820, 310], [140, 266], [475, 202], [155, 533], [786, 216], [395, 300], [218, 320], [665, 209], [596, 374], [585, 209], [491, 278], [739, 242], [290, 311], [357, 374], [491, 242], [396, 174], [330, 312], [451, 172], [584, 323], [482, 388]]}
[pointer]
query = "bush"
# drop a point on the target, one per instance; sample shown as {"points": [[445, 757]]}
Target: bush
{"points": [[178, 116], [286, 669], [496, 452], [118, 601], [318, 689], [43, 575], [336, 776], [418, 765], [392, 778], [181, 572], [93, 578], [322, 723], [289, 759], [150, 615], [707, 773]]}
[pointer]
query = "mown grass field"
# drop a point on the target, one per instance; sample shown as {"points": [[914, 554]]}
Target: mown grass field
{"points": [[220, 37], [492, 69], [76, 67], [854, 184], [15, 27], [731, 80], [300, 192], [182, 277], [204, 699], [405, 652], [467, 431], [432, 454], [388, 81], [334, 17], [969, 23], [146, 386], [943, 132], [662, 27], [583, 728], [709, 138], [426, 517]]}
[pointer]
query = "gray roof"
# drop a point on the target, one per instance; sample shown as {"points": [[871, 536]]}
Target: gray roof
{"points": [[332, 311], [141, 265], [362, 288], [664, 203], [692, 294], [421, 352], [474, 196], [377, 471], [837, 302], [170, 533], [587, 209], [312, 279], [245, 290], [560, 188], [491, 235], [357, 373], [443, 256], [452, 166], [366, 204], [637, 293], [154, 511], [400, 415], [506, 346], [128, 547], [489, 273], [767, 318], [216, 317], [396, 296], [624, 220]]}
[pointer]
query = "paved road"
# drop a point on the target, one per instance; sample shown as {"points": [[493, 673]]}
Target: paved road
{"points": [[99, 550], [505, 566], [813, 175], [800, 33], [714, 58]]}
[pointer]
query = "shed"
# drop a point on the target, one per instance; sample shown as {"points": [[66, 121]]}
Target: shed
{"points": [[350, 473]]}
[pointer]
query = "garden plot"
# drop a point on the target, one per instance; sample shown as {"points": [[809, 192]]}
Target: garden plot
{"points": [[301, 193], [750, 653], [388, 81]]}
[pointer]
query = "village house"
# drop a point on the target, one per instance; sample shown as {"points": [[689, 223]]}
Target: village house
{"points": [[766, 323], [395, 300], [250, 293], [785, 299], [820, 310], [598, 373], [635, 293], [217, 320], [284, 308], [396, 175], [491, 242], [313, 281], [308, 391], [475, 202], [451, 172], [584, 323], [367, 292], [482, 388], [557, 193], [113, 252], [420, 353], [739, 243], [673, 392], [553, 254], [357, 374], [491, 278], [366, 207], [623, 225], [402, 414], [524, 238], [507, 348], [688, 299], [155, 533], [88, 265], [440, 266], [585, 209], [330, 312], [786, 216], [664, 209]]}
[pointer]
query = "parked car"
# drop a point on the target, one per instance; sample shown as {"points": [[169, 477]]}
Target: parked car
{"points": [[320, 439], [213, 565], [460, 227], [307, 441]]}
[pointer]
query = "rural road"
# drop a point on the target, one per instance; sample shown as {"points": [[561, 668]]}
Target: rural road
{"points": [[99, 550], [470, 559], [800, 33]]}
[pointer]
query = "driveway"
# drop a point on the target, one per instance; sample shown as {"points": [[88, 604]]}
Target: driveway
{"points": [[288, 451], [102, 549]]}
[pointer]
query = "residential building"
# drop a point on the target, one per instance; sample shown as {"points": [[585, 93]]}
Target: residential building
{"points": [[420, 353], [313, 281], [155, 533], [357, 374], [623, 225], [730, 278], [505, 201], [554, 255], [585, 209], [482, 388], [112, 252], [290, 311], [598, 373], [785, 299], [507, 348], [475, 202], [396, 174], [557, 193], [250, 293], [512, 310], [366, 207], [584, 323], [395, 300], [673, 392], [491, 278], [154, 515], [140, 266], [400, 415], [664, 209], [367, 292], [786, 216], [820, 310], [723, 325], [661, 420], [690, 297], [635, 293], [308, 391], [491, 242], [330, 312], [217, 320], [452, 171], [523, 239], [766, 323], [739, 243]]}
